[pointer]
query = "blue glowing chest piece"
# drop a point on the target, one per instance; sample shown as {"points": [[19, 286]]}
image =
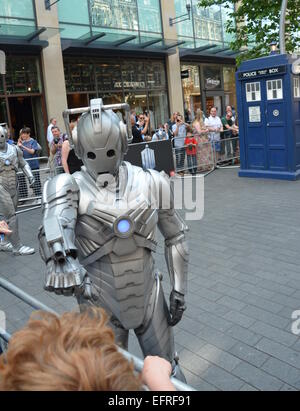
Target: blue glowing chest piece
{"points": [[7, 162], [124, 227]]}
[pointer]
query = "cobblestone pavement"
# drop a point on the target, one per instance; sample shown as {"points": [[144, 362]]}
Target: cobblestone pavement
{"points": [[244, 284]]}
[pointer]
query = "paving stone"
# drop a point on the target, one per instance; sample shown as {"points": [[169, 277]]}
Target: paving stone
{"points": [[222, 379], [283, 371], [244, 335], [274, 333], [218, 357], [257, 378], [249, 354], [279, 351], [239, 319], [231, 303]]}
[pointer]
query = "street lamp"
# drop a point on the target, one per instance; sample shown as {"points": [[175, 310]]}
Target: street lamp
{"points": [[273, 47], [48, 5], [183, 17], [282, 26]]}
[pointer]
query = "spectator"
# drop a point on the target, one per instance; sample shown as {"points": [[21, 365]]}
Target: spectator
{"points": [[191, 150], [172, 121], [179, 132], [136, 132], [56, 145], [143, 124], [31, 149], [74, 352], [226, 142], [70, 162], [229, 108], [160, 134], [53, 122], [168, 131], [204, 152], [214, 125]]}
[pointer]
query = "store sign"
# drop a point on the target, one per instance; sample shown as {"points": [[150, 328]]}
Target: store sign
{"points": [[212, 78], [263, 72], [130, 84]]}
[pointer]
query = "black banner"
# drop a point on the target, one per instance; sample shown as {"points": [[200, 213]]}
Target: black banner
{"points": [[247, 75], [157, 155]]}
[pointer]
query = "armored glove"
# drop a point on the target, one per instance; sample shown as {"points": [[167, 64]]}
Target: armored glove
{"points": [[177, 307], [68, 278]]}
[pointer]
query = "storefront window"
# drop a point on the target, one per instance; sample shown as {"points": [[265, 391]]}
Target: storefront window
{"points": [[229, 86], [156, 74], [79, 77], [191, 90], [212, 77], [108, 76], [23, 75], [158, 107], [3, 111], [133, 75]]}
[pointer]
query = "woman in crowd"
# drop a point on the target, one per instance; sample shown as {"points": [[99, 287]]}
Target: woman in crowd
{"points": [[70, 162], [204, 153], [74, 352]]}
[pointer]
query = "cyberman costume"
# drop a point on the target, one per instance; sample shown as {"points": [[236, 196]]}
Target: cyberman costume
{"points": [[98, 235], [11, 159]]}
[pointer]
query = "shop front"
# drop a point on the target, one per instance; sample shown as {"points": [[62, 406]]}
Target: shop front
{"points": [[22, 101], [139, 82], [206, 86]]}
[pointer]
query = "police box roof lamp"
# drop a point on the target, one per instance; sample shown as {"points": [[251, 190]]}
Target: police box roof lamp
{"points": [[48, 5], [95, 109], [183, 17], [2, 62], [273, 48]]}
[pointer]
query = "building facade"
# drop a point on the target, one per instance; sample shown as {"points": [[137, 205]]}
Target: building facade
{"points": [[119, 50]]}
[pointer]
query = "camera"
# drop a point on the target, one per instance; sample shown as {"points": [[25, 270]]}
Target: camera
{"points": [[56, 140]]}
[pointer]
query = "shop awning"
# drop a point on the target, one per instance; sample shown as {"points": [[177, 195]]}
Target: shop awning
{"points": [[208, 49], [20, 35], [129, 42]]}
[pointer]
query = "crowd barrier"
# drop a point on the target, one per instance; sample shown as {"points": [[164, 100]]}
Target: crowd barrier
{"points": [[209, 154], [30, 197], [38, 305]]}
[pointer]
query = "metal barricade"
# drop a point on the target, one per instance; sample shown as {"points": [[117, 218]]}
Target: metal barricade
{"points": [[38, 305], [30, 197], [227, 151], [203, 161]]}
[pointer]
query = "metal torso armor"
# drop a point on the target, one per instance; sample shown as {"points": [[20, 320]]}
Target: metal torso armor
{"points": [[115, 235], [8, 168]]}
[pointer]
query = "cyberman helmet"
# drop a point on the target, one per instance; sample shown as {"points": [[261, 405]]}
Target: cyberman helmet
{"points": [[3, 135], [101, 139]]}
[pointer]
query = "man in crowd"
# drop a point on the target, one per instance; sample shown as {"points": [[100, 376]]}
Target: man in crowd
{"points": [[136, 132], [53, 123], [179, 132], [143, 124], [215, 127], [56, 145], [160, 134]]}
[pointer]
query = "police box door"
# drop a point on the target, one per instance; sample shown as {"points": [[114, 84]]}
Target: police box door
{"points": [[264, 116]]}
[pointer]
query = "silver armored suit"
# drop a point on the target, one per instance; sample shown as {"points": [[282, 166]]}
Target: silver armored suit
{"points": [[98, 238], [11, 159]]}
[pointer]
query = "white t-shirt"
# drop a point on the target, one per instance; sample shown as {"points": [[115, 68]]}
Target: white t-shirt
{"points": [[179, 139], [213, 122], [49, 134]]}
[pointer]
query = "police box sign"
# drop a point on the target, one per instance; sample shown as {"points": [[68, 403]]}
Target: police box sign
{"points": [[262, 72]]}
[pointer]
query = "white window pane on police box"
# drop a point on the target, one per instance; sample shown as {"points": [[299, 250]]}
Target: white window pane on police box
{"points": [[253, 92], [274, 89], [17, 8], [296, 87]]}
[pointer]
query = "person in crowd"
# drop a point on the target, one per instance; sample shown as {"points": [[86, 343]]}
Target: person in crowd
{"points": [[226, 138], [74, 352], [31, 150], [215, 127], [133, 113], [168, 131], [204, 152], [56, 145], [160, 134], [172, 121], [179, 132], [53, 123], [229, 108], [190, 143], [70, 162], [143, 124], [136, 132]]}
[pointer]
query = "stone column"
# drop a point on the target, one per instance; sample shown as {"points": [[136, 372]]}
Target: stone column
{"points": [[172, 61], [52, 65]]}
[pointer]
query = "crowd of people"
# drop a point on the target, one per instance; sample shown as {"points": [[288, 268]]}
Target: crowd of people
{"points": [[193, 140]]}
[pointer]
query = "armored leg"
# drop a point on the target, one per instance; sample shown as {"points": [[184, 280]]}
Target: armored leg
{"points": [[8, 213], [156, 336]]}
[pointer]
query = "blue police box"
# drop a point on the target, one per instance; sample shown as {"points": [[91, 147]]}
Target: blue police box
{"points": [[268, 97]]}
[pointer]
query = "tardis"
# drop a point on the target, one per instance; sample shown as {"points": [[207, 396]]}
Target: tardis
{"points": [[268, 94]]}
